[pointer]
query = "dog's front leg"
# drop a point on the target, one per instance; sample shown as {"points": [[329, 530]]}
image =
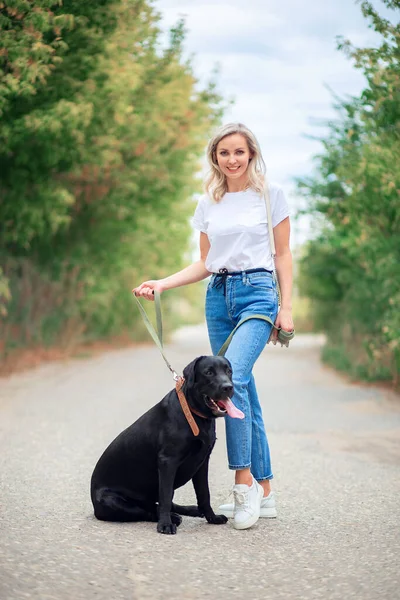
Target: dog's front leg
{"points": [[166, 476], [200, 483]]}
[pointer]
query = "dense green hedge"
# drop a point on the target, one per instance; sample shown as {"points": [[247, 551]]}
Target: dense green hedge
{"points": [[100, 137], [351, 270]]}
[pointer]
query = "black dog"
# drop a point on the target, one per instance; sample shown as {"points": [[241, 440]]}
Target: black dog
{"points": [[135, 478]]}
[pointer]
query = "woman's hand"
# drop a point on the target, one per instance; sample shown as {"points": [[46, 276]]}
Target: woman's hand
{"points": [[283, 320], [146, 289]]}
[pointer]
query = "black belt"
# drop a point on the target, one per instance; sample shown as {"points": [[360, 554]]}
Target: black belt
{"points": [[223, 274]]}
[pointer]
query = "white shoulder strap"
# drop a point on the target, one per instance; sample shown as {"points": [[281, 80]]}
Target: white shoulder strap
{"points": [[271, 237], [269, 219]]}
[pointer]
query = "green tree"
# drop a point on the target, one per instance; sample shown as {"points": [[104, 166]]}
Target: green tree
{"points": [[47, 51], [352, 269], [99, 166]]}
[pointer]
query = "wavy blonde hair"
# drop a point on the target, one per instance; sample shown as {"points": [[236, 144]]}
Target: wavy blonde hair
{"points": [[216, 184]]}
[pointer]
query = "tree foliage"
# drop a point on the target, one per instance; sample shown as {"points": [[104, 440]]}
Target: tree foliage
{"points": [[351, 270], [100, 138]]}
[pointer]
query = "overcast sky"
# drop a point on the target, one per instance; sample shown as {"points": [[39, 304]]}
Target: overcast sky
{"points": [[276, 58]]}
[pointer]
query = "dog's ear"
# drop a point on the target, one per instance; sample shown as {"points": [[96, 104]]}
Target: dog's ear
{"points": [[228, 362], [189, 372]]}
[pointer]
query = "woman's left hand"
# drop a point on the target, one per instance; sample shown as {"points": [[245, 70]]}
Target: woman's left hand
{"points": [[283, 320]]}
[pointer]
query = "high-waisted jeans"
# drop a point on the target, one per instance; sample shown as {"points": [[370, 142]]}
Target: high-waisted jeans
{"points": [[242, 295]]}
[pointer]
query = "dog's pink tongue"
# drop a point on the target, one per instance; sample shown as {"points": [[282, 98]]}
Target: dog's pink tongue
{"points": [[231, 409]]}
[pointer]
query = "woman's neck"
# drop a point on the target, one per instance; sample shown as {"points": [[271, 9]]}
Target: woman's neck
{"points": [[237, 185]]}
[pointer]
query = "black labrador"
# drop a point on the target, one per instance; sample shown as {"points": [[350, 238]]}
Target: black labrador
{"points": [[135, 478]]}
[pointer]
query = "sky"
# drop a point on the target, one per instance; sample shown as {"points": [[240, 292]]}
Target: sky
{"points": [[276, 60]]}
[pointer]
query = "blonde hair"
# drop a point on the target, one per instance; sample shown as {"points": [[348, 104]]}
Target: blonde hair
{"points": [[216, 185]]}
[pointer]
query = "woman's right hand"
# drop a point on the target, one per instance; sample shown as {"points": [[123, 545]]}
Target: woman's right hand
{"points": [[146, 289]]}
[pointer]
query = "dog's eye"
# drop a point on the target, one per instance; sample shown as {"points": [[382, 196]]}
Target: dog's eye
{"points": [[210, 372], [229, 371]]}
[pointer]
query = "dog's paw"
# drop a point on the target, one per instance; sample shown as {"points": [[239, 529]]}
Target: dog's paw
{"points": [[176, 519], [217, 519], [167, 528]]}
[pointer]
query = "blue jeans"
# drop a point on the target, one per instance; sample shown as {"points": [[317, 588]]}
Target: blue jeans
{"points": [[242, 295]]}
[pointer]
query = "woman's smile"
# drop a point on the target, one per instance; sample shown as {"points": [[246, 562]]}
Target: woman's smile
{"points": [[233, 156]]}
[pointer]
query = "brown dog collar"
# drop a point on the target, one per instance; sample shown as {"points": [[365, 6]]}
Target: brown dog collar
{"points": [[187, 410]]}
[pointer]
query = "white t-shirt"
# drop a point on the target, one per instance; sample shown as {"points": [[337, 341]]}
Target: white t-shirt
{"points": [[237, 228]]}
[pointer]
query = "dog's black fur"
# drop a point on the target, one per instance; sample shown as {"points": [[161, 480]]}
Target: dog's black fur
{"points": [[135, 478]]}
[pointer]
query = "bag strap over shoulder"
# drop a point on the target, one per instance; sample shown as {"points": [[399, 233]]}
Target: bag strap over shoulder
{"points": [[269, 220], [271, 236]]}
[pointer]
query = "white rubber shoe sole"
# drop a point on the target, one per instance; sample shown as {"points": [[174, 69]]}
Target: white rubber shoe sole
{"points": [[267, 510]]}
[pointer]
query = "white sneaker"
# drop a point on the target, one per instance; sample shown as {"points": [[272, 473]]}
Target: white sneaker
{"points": [[267, 509], [247, 504]]}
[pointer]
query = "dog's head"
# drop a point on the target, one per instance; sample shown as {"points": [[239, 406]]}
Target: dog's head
{"points": [[208, 386]]}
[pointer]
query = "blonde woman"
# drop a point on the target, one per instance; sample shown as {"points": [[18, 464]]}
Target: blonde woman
{"points": [[235, 251]]}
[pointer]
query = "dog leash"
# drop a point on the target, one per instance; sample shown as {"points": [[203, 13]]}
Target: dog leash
{"points": [[179, 380], [284, 337], [156, 335]]}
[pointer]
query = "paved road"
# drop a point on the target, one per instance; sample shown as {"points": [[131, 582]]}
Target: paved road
{"points": [[336, 450]]}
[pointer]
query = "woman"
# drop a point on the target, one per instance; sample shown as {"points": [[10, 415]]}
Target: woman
{"points": [[235, 251]]}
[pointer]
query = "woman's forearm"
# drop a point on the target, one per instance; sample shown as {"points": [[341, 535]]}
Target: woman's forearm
{"points": [[191, 274], [284, 271]]}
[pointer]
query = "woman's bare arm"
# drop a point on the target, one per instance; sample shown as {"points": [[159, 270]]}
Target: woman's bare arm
{"points": [[191, 274], [284, 271]]}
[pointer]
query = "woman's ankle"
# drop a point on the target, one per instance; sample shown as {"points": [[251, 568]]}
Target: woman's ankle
{"points": [[244, 476], [266, 485]]}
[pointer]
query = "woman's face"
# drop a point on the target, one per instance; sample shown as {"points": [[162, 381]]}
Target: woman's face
{"points": [[233, 157]]}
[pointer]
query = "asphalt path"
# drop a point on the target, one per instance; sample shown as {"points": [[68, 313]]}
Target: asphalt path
{"points": [[336, 457]]}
